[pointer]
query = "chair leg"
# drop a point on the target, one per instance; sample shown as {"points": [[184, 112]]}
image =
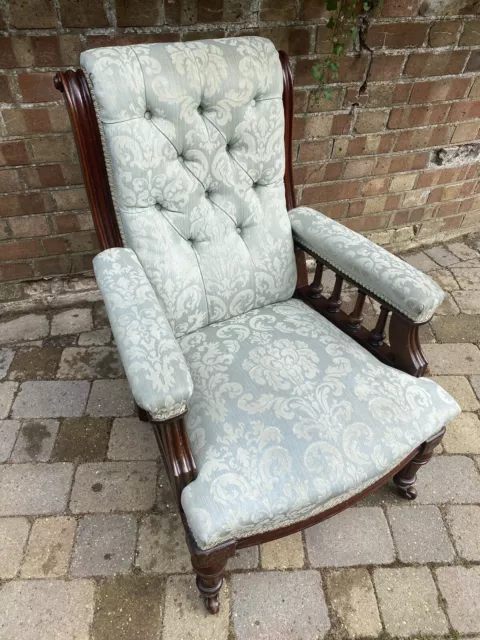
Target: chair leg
{"points": [[209, 581], [141, 413], [406, 478]]}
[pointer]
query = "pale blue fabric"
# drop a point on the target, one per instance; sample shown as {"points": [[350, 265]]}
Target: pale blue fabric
{"points": [[376, 270], [290, 416], [154, 364], [194, 144]]}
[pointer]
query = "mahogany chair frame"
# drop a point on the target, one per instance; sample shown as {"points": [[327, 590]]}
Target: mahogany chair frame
{"points": [[402, 351]]}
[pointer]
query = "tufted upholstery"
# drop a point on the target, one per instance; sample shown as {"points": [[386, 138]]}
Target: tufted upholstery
{"points": [[194, 139]]}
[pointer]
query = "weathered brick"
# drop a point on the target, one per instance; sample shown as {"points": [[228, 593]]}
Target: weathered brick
{"points": [[460, 586], [417, 116], [400, 8], [13, 153], [359, 168], [33, 14], [88, 13], [49, 547], [397, 35], [285, 553], [127, 39], [467, 110], [138, 14], [272, 10], [421, 138], [30, 121], [435, 90], [370, 121], [471, 34], [443, 33], [386, 67], [435, 64], [37, 87], [464, 524], [468, 132], [58, 149], [6, 94], [13, 536], [330, 192]]}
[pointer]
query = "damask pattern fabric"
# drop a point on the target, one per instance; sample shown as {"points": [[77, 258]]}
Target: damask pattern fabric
{"points": [[290, 416], [379, 272], [194, 138], [154, 364]]}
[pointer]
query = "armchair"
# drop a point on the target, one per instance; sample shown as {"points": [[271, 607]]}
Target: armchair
{"points": [[273, 408]]}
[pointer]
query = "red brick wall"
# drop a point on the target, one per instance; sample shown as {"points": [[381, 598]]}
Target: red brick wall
{"points": [[363, 160]]}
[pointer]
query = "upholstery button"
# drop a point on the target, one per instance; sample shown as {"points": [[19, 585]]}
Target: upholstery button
{"points": [[253, 103], [239, 231], [181, 159], [200, 108], [148, 115], [158, 206]]}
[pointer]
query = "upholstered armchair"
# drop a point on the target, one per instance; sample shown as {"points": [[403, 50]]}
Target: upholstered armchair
{"points": [[273, 407]]}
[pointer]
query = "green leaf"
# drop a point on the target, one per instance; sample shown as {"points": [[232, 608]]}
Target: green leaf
{"points": [[331, 5], [338, 48], [327, 95], [331, 23]]}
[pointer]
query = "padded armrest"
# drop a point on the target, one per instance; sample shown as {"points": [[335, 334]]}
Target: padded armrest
{"points": [[158, 375], [372, 268]]}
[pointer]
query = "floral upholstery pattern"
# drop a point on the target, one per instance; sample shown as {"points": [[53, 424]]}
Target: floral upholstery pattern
{"points": [[290, 416], [377, 271], [194, 140], [154, 364]]}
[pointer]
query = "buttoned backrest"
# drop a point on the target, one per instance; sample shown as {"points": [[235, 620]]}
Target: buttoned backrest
{"points": [[193, 135]]}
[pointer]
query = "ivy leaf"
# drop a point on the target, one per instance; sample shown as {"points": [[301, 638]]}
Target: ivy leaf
{"points": [[337, 48], [331, 23], [332, 5]]}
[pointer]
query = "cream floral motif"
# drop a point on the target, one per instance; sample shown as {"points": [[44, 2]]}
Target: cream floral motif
{"points": [[289, 415], [194, 135], [154, 364], [410, 291]]}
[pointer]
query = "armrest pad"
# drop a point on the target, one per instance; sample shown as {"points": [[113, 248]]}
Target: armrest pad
{"points": [[371, 267], [158, 375]]}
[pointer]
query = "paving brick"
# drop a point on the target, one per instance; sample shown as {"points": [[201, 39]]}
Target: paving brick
{"points": [[419, 534], [6, 357], [475, 380], [35, 441], [34, 363], [448, 307], [13, 536], [128, 608], [185, 615], [105, 545], [46, 609], [49, 547], [448, 479], [295, 606], [468, 301], [461, 328], [445, 279], [110, 398], [51, 399], [464, 524], [442, 256], [286, 553], [453, 359], [463, 434], [82, 440], [460, 388], [462, 251], [8, 434], [28, 327], [72, 321], [345, 539], [353, 600], [421, 261], [34, 489], [113, 486], [99, 314], [244, 559], [161, 544], [79, 363], [468, 278], [408, 602], [460, 586], [96, 337], [131, 439], [7, 392]]}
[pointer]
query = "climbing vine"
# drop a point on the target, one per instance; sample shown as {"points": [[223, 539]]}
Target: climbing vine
{"points": [[348, 24]]}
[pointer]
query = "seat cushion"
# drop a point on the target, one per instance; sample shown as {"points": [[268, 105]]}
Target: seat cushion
{"points": [[290, 416]]}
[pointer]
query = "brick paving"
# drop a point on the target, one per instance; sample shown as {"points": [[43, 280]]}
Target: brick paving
{"points": [[91, 546]]}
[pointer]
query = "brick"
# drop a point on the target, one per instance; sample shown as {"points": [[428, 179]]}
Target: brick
{"points": [[10, 180], [419, 534], [185, 612], [15, 271], [464, 524], [467, 110], [33, 14], [408, 602], [271, 10], [344, 540], [475, 90], [448, 479], [285, 553], [13, 536], [471, 34], [34, 489], [312, 9], [53, 399], [110, 398], [370, 121], [35, 441], [461, 328], [79, 363], [24, 227], [7, 393], [131, 439], [436, 90], [52, 175], [90, 13], [82, 440], [18, 250], [25, 204], [359, 168], [13, 153], [386, 68], [49, 547], [295, 42], [244, 559], [416, 139], [72, 321], [127, 39], [467, 278], [26, 616], [463, 435], [353, 600], [41, 51], [444, 33], [37, 87], [435, 64], [161, 544], [375, 187], [277, 616], [6, 94], [31, 121], [460, 388], [400, 9], [330, 192], [466, 132], [417, 116], [58, 149], [397, 35], [460, 586], [113, 486], [6, 357], [128, 607], [105, 545], [453, 358], [403, 182], [98, 337]]}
